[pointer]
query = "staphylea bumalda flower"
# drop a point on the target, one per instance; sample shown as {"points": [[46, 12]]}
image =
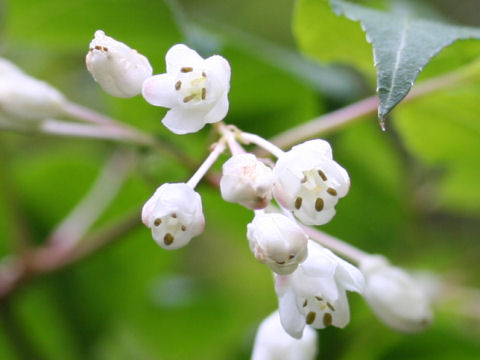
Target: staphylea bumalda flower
{"points": [[175, 215], [309, 182], [195, 89]]}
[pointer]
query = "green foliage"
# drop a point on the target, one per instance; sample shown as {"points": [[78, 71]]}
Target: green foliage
{"points": [[133, 300]]}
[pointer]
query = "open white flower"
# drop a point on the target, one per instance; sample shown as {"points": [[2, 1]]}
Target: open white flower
{"points": [[175, 215], [195, 89], [395, 296], [315, 294], [309, 183], [118, 69], [24, 97], [277, 241], [273, 343], [247, 181]]}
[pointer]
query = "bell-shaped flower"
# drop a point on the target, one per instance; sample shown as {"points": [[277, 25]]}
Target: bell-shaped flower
{"points": [[118, 69], [175, 215], [277, 241], [273, 343], [195, 89], [246, 181], [395, 296], [315, 294], [24, 97], [309, 183]]}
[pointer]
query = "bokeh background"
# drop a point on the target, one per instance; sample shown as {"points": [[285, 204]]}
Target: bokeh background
{"points": [[414, 196]]}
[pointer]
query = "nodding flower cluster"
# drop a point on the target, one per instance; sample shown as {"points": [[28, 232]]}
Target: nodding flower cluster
{"points": [[305, 182]]}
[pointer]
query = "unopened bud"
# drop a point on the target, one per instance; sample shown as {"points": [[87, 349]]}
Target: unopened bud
{"points": [[118, 69], [25, 97], [277, 242], [247, 181], [395, 296], [273, 343]]}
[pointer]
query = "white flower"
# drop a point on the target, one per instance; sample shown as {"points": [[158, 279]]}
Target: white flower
{"points": [[309, 182], [273, 343], [277, 241], [118, 69], [175, 215], [315, 294], [247, 181], [25, 97], [195, 89], [395, 296]]}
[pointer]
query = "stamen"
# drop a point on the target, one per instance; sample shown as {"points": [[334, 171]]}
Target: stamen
{"points": [[183, 227], [280, 262], [332, 191], [186, 69], [330, 306], [157, 222], [319, 204], [168, 239], [98, 47], [327, 319], [174, 215], [204, 93], [105, 49], [204, 74], [305, 303], [311, 317], [188, 98], [322, 175], [290, 257], [318, 298], [178, 85], [298, 203], [304, 180]]}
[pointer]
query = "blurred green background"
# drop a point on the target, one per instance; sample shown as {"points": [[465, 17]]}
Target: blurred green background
{"points": [[414, 195]]}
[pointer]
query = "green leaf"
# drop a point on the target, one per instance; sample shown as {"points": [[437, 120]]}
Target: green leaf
{"points": [[443, 131], [402, 47]]}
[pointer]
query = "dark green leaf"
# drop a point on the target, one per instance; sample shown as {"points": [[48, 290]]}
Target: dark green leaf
{"points": [[402, 47]]}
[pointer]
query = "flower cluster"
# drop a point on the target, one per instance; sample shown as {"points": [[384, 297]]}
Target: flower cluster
{"points": [[305, 182]]}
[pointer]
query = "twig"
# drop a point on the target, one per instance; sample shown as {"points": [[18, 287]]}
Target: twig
{"points": [[360, 110], [94, 203]]}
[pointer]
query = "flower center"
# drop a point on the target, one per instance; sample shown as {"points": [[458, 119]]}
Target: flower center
{"points": [[191, 85], [170, 226]]}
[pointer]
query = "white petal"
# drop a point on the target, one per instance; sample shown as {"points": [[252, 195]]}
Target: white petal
{"points": [[292, 320], [341, 315], [181, 55], [183, 121], [218, 68], [218, 111], [159, 90]]}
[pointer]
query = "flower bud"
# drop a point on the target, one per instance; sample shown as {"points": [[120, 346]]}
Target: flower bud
{"points": [[118, 69], [24, 97], [395, 297], [175, 215], [273, 343], [247, 181], [309, 183], [277, 241]]}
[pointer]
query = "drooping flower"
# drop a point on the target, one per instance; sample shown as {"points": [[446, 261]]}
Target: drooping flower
{"points": [[277, 241], [309, 182], [247, 181], [175, 215], [395, 296], [315, 294], [24, 97], [118, 69], [273, 343], [195, 89]]}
